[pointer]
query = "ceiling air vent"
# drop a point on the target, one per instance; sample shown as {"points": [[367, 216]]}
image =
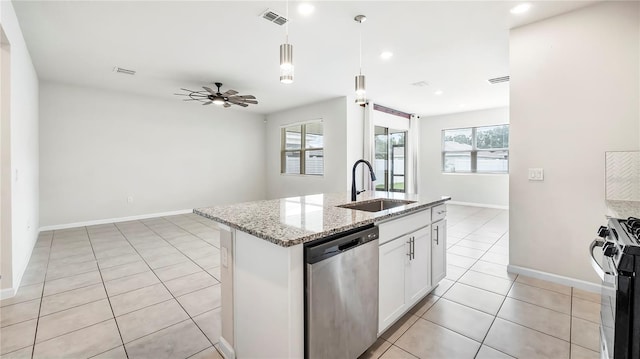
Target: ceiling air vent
{"points": [[498, 80], [420, 84], [123, 71], [274, 17]]}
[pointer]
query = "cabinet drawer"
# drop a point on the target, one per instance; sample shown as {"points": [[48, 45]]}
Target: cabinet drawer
{"points": [[403, 225], [438, 212]]}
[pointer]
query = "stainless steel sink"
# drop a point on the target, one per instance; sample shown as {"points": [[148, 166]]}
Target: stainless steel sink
{"points": [[377, 205]]}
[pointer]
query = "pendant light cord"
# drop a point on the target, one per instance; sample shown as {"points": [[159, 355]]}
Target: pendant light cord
{"points": [[287, 23], [360, 45]]}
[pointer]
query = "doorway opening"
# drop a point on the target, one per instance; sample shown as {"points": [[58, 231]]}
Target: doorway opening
{"points": [[390, 164]]}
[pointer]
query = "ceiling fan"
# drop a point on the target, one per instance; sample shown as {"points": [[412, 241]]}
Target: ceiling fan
{"points": [[226, 99]]}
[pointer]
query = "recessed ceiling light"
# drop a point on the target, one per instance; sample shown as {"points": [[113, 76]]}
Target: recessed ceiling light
{"points": [[438, 92], [306, 9], [386, 55], [520, 9]]}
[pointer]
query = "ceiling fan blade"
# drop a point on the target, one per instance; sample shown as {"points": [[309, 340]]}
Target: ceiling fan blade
{"points": [[226, 104], [241, 104], [230, 93], [209, 90], [248, 97], [207, 103], [183, 89]]}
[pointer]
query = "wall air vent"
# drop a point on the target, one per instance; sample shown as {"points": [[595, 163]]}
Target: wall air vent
{"points": [[498, 80], [420, 84], [123, 71], [274, 17]]}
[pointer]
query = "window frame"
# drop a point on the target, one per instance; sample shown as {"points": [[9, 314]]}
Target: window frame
{"points": [[302, 150], [473, 152]]}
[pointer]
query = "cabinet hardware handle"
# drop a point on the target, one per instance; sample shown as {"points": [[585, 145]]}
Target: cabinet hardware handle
{"points": [[409, 243], [437, 236], [413, 247]]}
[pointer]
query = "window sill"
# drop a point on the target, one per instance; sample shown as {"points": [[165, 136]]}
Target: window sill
{"points": [[301, 175]]}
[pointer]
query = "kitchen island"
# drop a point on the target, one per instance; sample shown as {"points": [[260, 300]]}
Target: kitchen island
{"points": [[262, 263]]}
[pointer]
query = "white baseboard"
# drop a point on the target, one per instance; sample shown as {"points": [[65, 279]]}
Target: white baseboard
{"points": [[568, 281], [7, 293], [113, 220], [227, 350], [477, 205]]}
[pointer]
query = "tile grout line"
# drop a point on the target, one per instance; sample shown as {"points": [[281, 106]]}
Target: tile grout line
{"points": [[167, 289], [107, 293], [181, 252], [35, 335]]}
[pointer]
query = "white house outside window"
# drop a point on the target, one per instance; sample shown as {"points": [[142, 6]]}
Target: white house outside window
{"points": [[476, 150], [302, 149]]}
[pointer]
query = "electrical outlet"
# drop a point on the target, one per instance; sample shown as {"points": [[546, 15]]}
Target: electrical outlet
{"points": [[130, 199], [536, 174]]}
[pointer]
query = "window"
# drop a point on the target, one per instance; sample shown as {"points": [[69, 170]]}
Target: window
{"points": [[303, 149], [390, 165], [476, 149]]}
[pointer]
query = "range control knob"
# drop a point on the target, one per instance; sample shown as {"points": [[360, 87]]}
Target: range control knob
{"points": [[610, 249], [603, 232]]}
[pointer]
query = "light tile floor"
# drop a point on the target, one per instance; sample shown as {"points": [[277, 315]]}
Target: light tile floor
{"points": [[481, 311], [150, 289], [140, 289]]}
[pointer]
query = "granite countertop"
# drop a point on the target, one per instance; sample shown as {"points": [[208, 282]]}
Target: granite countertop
{"points": [[623, 209], [294, 220]]}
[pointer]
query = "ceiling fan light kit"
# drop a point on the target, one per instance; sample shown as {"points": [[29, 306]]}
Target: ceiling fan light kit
{"points": [[225, 99]]}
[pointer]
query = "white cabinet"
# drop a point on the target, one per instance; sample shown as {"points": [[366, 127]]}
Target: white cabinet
{"points": [[412, 261], [391, 292], [418, 271], [438, 251], [405, 274]]}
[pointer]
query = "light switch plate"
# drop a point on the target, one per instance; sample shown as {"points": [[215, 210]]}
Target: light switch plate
{"points": [[536, 174]]}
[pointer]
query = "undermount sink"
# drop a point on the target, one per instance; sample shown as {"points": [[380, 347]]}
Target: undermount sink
{"points": [[376, 205]]}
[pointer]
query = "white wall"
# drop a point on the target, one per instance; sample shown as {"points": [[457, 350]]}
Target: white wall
{"points": [[99, 147], [574, 95], [340, 148], [482, 189], [24, 148]]}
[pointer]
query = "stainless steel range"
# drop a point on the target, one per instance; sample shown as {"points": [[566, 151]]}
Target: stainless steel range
{"points": [[620, 275]]}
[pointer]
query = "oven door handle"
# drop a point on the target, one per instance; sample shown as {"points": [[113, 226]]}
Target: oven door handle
{"points": [[594, 263]]}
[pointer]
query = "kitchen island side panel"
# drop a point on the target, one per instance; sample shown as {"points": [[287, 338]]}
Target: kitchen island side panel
{"points": [[268, 299]]}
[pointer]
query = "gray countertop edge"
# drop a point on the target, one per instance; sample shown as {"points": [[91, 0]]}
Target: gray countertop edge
{"points": [[319, 235]]}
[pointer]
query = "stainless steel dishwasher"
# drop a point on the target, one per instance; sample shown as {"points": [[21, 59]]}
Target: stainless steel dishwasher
{"points": [[341, 295]]}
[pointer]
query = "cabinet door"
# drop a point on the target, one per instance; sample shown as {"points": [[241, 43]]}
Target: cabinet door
{"points": [[393, 256], [439, 251], [418, 268]]}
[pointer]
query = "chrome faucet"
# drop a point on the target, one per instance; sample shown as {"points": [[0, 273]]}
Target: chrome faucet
{"points": [[354, 192]]}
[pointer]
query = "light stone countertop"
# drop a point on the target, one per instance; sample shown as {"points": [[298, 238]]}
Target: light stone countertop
{"points": [[623, 209], [294, 220]]}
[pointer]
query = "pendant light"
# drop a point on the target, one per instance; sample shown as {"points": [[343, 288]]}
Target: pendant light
{"points": [[361, 93], [286, 55]]}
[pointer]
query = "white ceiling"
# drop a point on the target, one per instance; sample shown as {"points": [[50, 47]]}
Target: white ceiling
{"points": [[454, 46]]}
